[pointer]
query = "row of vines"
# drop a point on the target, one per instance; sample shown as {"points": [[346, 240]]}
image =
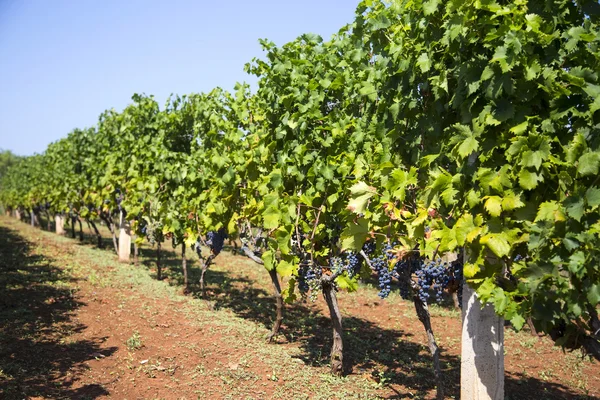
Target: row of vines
{"points": [[422, 131]]}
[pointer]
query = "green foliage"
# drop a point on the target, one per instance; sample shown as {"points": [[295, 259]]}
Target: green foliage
{"points": [[495, 106], [442, 126]]}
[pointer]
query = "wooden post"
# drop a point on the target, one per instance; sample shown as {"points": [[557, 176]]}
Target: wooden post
{"points": [[482, 354], [124, 239], [59, 220]]}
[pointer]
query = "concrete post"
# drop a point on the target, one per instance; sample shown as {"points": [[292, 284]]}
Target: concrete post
{"points": [[482, 355], [60, 224], [124, 239]]}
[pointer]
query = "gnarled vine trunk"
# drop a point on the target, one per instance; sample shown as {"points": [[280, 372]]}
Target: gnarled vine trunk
{"points": [[80, 229], [337, 348], [205, 264], [185, 271], [49, 225], [425, 318], [96, 232], [158, 266], [109, 223], [72, 219], [278, 304]]}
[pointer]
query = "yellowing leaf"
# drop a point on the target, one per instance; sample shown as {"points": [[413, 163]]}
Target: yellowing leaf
{"points": [[463, 226], [285, 268], [493, 205], [470, 270], [497, 243]]}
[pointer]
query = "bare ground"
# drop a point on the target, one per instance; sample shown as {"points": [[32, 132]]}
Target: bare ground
{"points": [[75, 324]]}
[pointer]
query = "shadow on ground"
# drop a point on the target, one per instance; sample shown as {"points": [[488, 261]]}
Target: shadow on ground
{"points": [[37, 357], [387, 356]]}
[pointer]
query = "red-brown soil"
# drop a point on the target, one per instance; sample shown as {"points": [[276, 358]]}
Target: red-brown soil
{"points": [[75, 324]]}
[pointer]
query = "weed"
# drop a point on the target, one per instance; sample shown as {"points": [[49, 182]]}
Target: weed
{"points": [[134, 342]]}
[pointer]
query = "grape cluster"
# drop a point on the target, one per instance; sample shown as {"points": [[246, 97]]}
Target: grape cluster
{"points": [[215, 240], [302, 278], [402, 272], [309, 279], [380, 265], [118, 198], [433, 274], [352, 265], [348, 263]]}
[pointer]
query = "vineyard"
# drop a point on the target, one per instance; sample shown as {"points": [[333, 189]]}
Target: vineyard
{"points": [[441, 152]]}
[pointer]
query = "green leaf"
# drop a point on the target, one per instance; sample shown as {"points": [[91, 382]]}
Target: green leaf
{"points": [[354, 235], [368, 90], [430, 6], [592, 197], [463, 227], [470, 270], [517, 321], [532, 159], [468, 146], [363, 193], [346, 283], [288, 293], [271, 218], [593, 294], [574, 207], [275, 179], [269, 258], [283, 237], [358, 204], [520, 129], [511, 201], [547, 211], [362, 188], [423, 62], [589, 164], [529, 180], [497, 243]]}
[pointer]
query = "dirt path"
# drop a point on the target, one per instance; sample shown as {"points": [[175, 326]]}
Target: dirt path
{"points": [[75, 324]]}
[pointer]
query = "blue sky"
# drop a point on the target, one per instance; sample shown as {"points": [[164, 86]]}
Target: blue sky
{"points": [[64, 62]]}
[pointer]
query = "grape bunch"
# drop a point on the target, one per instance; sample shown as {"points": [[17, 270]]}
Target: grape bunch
{"points": [[380, 265], [215, 240], [348, 263], [118, 198], [402, 271], [309, 279], [352, 264], [433, 274]]}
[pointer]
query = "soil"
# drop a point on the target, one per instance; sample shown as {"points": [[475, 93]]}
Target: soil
{"points": [[75, 324]]}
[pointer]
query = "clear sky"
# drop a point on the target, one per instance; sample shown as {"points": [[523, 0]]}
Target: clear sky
{"points": [[64, 62]]}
